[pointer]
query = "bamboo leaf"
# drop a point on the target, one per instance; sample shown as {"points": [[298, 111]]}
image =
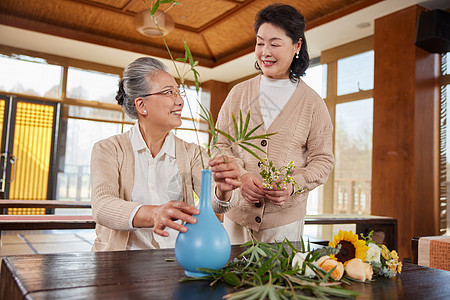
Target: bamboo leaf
{"points": [[248, 294], [154, 8], [170, 1], [247, 244], [249, 250], [262, 136], [273, 293], [236, 130], [254, 146], [247, 120], [226, 135], [253, 130], [250, 151], [241, 127], [232, 279]]}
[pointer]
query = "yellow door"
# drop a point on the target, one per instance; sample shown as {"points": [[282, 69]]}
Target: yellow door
{"points": [[31, 130]]}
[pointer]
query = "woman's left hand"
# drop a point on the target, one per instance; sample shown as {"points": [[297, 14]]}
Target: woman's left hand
{"points": [[278, 196], [226, 174]]}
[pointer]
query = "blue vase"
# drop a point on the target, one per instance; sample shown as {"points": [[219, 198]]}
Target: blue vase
{"points": [[205, 244]]}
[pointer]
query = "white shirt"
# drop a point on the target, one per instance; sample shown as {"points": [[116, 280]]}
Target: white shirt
{"points": [[274, 94], [157, 180]]}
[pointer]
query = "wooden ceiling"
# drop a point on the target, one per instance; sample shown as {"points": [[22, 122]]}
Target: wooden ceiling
{"points": [[216, 31]]}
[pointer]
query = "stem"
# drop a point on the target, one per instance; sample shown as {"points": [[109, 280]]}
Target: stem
{"points": [[165, 44], [180, 77]]}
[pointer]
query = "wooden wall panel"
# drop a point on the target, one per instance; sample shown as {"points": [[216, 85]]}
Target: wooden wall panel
{"points": [[405, 144], [218, 91]]}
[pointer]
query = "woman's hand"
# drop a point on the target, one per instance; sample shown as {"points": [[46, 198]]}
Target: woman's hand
{"points": [[161, 216], [252, 189], [278, 196], [226, 175]]}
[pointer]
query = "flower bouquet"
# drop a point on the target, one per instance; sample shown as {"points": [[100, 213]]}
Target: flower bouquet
{"points": [[384, 262], [282, 271], [278, 178]]}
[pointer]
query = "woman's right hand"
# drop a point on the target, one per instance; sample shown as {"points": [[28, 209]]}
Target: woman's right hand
{"points": [[161, 216], [251, 189]]}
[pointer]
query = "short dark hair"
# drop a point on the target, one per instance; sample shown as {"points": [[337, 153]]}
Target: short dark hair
{"points": [[293, 23]]}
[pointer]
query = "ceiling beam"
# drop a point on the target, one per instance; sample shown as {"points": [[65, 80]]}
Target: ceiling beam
{"points": [[126, 6], [87, 37], [105, 7], [340, 13]]}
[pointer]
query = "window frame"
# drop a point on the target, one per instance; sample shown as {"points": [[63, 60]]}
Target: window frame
{"points": [[330, 58]]}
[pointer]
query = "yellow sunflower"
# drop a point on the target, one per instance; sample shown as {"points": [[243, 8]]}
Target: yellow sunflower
{"points": [[351, 246]]}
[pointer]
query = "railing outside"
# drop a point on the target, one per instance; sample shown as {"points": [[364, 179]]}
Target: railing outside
{"points": [[352, 196], [74, 184]]}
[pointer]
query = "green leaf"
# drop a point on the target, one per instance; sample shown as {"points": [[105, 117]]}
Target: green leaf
{"points": [[328, 274], [241, 127], [250, 151], [253, 130], [232, 279], [248, 251], [155, 7], [236, 130], [273, 294], [247, 120], [248, 294], [226, 135], [169, 1], [246, 244], [262, 136], [254, 146]]}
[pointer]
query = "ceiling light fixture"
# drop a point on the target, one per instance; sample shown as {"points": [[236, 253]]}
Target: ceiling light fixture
{"points": [[145, 24], [363, 25]]}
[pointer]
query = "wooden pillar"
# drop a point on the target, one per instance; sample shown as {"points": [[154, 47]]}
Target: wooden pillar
{"points": [[405, 172], [217, 92]]}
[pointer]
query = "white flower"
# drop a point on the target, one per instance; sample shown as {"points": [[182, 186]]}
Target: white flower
{"points": [[298, 259], [373, 254]]}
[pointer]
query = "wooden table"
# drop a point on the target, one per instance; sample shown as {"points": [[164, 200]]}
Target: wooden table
{"points": [[147, 275], [44, 222], [10, 203]]}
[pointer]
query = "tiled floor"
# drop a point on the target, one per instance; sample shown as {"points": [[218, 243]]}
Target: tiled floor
{"points": [[46, 241]]}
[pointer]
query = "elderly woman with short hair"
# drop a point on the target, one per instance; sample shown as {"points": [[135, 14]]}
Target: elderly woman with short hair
{"points": [[143, 180]]}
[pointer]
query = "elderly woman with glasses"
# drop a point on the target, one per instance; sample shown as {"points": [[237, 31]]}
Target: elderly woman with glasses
{"points": [[143, 180]]}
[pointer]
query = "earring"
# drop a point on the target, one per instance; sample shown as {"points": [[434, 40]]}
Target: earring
{"points": [[145, 111], [296, 55]]}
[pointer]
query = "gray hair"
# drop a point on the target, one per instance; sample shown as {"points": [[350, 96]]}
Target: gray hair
{"points": [[136, 82]]}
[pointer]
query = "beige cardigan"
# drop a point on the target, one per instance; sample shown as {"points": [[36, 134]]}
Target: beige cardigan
{"points": [[304, 135], [112, 180]]}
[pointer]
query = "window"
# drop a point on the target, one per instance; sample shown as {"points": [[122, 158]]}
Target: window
{"points": [[92, 85], [30, 76], [355, 73], [191, 120], [349, 72], [353, 152], [353, 134], [315, 77], [73, 177], [87, 103]]}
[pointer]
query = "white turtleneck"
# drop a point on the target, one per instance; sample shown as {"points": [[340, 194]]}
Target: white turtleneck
{"points": [[274, 94]]}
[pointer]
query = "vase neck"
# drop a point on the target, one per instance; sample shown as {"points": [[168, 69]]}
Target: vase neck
{"points": [[205, 192]]}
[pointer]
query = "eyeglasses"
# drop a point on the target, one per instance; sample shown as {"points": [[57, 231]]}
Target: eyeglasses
{"points": [[170, 92]]}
